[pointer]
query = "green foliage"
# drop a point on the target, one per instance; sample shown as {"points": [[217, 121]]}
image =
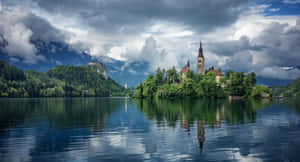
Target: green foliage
{"points": [[210, 111], [139, 91], [172, 76], [190, 74], [291, 90], [8, 72], [149, 86], [60, 81], [236, 84], [186, 88], [159, 77], [260, 91], [229, 74]]}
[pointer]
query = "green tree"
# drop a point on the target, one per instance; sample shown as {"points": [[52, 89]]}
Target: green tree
{"points": [[172, 76], [190, 74], [159, 77]]}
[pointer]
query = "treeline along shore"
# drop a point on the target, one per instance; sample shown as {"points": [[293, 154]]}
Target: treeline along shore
{"points": [[171, 84]]}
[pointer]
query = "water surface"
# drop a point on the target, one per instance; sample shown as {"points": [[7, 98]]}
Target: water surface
{"points": [[122, 129]]}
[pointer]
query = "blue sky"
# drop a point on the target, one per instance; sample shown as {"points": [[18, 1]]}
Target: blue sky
{"points": [[243, 35]]}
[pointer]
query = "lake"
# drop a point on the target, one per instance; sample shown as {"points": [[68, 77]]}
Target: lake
{"points": [[124, 129]]}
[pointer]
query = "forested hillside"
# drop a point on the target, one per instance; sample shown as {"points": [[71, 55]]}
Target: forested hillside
{"points": [[69, 81], [292, 89]]}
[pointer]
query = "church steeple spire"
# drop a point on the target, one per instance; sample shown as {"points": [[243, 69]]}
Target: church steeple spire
{"points": [[200, 61], [200, 53]]}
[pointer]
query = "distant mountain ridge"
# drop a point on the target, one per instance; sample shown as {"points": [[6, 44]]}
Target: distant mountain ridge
{"points": [[290, 90], [58, 53], [61, 81]]}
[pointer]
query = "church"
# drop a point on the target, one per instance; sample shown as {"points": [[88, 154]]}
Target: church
{"points": [[200, 66]]}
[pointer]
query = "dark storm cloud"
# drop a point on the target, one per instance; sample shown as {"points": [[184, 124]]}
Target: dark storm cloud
{"points": [[135, 15], [229, 48], [18, 28], [279, 44], [42, 29], [276, 47], [282, 44]]}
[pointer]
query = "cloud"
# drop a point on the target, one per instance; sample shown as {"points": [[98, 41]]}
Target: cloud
{"points": [[281, 43], [275, 47], [274, 9], [229, 48], [279, 73], [150, 52], [291, 1], [236, 34], [134, 16], [17, 37], [18, 28]]}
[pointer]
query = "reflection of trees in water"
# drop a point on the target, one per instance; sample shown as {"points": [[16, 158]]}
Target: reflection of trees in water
{"points": [[59, 112], [293, 103], [210, 112]]}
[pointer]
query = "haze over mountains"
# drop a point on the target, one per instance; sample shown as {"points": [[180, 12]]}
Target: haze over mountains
{"points": [[58, 53]]}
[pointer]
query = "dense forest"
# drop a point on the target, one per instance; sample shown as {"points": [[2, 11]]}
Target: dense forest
{"points": [[61, 81], [291, 90], [169, 84]]}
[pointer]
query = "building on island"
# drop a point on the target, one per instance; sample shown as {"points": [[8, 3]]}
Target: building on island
{"points": [[200, 61], [218, 74], [200, 64], [200, 67], [100, 68], [184, 70]]}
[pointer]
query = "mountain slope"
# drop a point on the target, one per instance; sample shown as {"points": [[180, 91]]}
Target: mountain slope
{"points": [[63, 80], [58, 53], [292, 89]]}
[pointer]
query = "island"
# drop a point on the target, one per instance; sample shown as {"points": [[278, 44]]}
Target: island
{"points": [[204, 83]]}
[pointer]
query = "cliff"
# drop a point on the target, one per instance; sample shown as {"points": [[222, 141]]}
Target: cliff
{"points": [[100, 68]]}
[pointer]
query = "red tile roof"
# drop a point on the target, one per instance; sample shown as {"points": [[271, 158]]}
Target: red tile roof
{"points": [[185, 69], [217, 72]]}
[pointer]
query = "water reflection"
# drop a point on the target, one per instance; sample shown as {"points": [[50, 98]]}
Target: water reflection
{"points": [[212, 112], [202, 112], [110, 129], [59, 112]]}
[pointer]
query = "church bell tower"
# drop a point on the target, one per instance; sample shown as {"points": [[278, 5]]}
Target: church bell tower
{"points": [[200, 61]]}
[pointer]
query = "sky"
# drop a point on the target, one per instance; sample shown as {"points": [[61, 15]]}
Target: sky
{"points": [[261, 36]]}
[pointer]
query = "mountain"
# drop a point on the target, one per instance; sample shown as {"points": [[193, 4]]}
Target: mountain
{"points": [[292, 89], [59, 53], [61, 81]]}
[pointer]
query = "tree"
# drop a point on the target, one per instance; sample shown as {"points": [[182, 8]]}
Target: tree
{"points": [[172, 76], [236, 86], [149, 87], [229, 74], [159, 77], [186, 88], [190, 74], [259, 91]]}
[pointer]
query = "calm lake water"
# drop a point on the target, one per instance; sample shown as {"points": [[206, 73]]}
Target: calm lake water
{"points": [[123, 129]]}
